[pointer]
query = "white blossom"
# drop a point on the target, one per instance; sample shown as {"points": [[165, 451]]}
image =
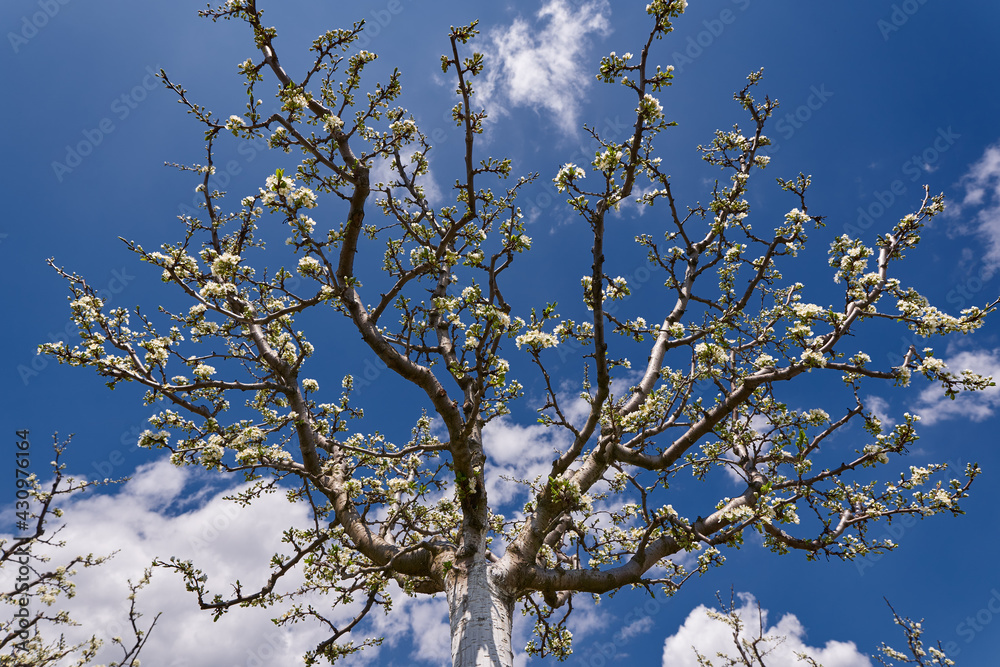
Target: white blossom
{"points": [[225, 265], [217, 290], [235, 124], [567, 173], [537, 340], [710, 353], [310, 266], [812, 358], [304, 197], [608, 160], [650, 108], [764, 361], [931, 365], [203, 371], [332, 123], [817, 417], [807, 311]]}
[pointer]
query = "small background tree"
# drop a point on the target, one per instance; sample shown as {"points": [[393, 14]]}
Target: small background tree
{"points": [[31, 630], [755, 644]]}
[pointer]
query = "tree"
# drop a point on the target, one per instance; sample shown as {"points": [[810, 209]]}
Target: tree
{"points": [[432, 306], [753, 647], [35, 585], [914, 645]]}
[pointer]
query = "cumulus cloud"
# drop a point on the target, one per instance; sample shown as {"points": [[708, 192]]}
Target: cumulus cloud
{"points": [[933, 406], [980, 207], [541, 64], [153, 516], [710, 637], [518, 452]]}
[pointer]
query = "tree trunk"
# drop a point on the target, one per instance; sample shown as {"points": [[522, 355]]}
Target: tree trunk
{"points": [[480, 613]]}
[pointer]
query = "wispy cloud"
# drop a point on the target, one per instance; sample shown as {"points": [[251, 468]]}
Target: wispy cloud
{"points": [[635, 628], [710, 637], [880, 407], [633, 202], [542, 64], [980, 208]]}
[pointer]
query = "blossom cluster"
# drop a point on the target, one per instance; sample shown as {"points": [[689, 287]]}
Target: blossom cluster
{"points": [[808, 311], [225, 265], [650, 109], [537, 340], [332, 123], [278, 185], [178, 263], [310, 266], [812, 358], [850, 258], [235, 124], [617, 290], [567, 173], [710, 354], [606, 160]]}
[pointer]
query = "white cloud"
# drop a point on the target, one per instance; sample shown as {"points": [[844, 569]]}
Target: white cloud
{"points": [[427, 620], [518, 452], [526, 452], [880, 407], [153, 516], [982, 191], [633, 203], [542, 66], [933, 406], [432, 633], [643, 625], [710, 636]]}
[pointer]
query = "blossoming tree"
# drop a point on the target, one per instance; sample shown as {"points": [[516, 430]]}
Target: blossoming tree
{"points": [[708, 399], [752, 646], [31, 577]]}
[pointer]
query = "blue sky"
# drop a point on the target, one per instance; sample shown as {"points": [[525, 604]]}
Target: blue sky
{"points": [[877, 99]]}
